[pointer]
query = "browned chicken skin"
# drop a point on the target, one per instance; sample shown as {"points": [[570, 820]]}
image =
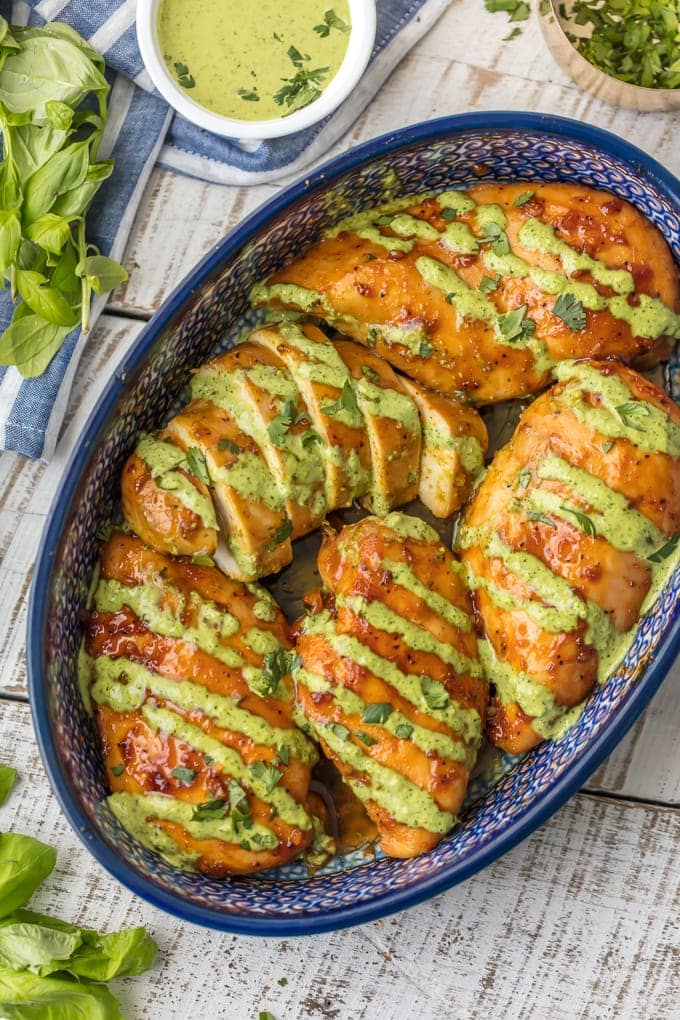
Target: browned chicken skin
{"points": [[384, 296], [389, 678], [567, 539], [194, 706]]}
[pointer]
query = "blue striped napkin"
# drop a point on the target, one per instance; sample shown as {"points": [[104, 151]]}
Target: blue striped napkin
{"points": [[142, 131]]}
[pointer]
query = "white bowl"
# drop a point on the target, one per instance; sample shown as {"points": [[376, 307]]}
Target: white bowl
{"points": [[359, 48]]}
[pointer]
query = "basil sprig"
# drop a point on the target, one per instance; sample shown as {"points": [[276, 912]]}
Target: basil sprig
{"points": [[52, 116]]}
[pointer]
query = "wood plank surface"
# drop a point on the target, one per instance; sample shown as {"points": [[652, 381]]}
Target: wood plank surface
{"points": [[580, 921]]}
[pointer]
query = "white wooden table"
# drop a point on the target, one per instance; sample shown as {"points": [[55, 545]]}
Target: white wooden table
{"points": [[580, 921]]}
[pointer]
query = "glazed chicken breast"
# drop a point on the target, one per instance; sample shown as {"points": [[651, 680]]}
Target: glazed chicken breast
{"points": [[388, 678], [484, 291], [568, 541], [283, 429], [190, 682]]}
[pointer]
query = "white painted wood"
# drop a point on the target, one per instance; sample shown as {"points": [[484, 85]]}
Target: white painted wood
{"points": [[580, 921]]}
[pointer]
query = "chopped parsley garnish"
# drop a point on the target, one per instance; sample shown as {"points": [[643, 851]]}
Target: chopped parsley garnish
{"points": [[347, 401], [228, 444], [583, 519], [330, 21], [208, 760], [435, 694], [488, 284], [197, 466], [184, 77], [518, 10], [295, 662], [425, 349], [302, 88], [629, 410], [284, 754], [606, 447], [523, 478], [539, 518], [282, 982], [378, 712], [570, 310], [370, 257], [665, 551], [276, 665], [238, 801], [283, 532], [384, 220], [403, 731], [369, 372], [309, 437], [497, 238], [515, 326], [365, 738], [183, 775], [278, 427], [118, 770], [526, 196], [448, 214], [209, 809], [341, 732], [269, 774], [248, 95], [203, 561]]}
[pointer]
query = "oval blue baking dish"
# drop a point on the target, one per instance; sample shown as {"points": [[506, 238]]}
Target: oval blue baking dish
{"points": [[206, 310]]}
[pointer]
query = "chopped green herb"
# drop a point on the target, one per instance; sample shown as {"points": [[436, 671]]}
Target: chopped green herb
{"points": [[183, 775], [203, 561], [197, 466], [628, 411], [570, 310], [377, 712], [283, 532], [538, 518], [117, 770], [248, 95], [435, 694], [276, 665], [266, 1015], [636, 42], [208, 759], [523, 478], [514, 326], [295, 662], [209, 809], [341, 732], [284, 754], [8, 777], [583, 519], [526, 196], [302, 89], [282, 981], [518, 10], [228, 444], [512, 35], [403, 731], [488, 284], [448, 214], [278, 427], [184, 77], [369, 372], [665, 551], [384, 220], [370, 257], [425, 349], [330, 21], [606, 447], [365, 738], [309, 437], [269, 775], [347, 401], [497, 238]]}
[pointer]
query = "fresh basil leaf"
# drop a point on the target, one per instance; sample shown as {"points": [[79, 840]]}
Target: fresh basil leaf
{"points": [[65, 170], [60, 115], [10, 237], [33, 145], [7, 40], [64, 273], [29, 343], [44, 300], [283, 532], [377, 712], [24, 864], [47, 69], [35, 947], [435, 694], [25, 996], [50, 232], [7, 779], [76, 200], [570, 310], [583, 519]]}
